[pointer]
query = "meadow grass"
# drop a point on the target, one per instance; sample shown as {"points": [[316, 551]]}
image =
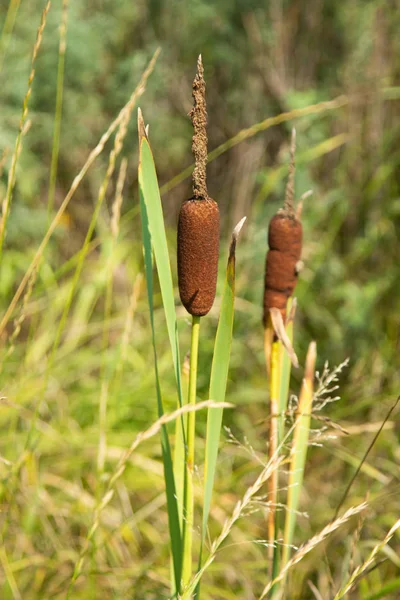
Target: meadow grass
{"points": [[84, 510]]}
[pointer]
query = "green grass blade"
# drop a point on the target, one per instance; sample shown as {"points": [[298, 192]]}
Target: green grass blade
{"points": [[148, 186], [172, 506], [219, 378], [388, 588], [285, 367], [299, 452]]}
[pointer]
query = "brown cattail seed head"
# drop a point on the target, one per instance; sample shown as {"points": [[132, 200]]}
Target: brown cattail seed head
{"points": [[285, 236], [285, 239], [198, 248]]}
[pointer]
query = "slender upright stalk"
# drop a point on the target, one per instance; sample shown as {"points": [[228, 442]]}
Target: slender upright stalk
{"points": [[8, 27], [299, 452], [274, 386], [281, 272], [58, 113], [191, 422]]}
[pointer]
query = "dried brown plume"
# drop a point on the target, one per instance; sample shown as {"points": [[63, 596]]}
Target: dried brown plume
{"points": [[198, 114]]}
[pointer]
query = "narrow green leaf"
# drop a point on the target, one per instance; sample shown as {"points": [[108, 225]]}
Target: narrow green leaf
{"points": [[299, 452], [148, 186], [150, 215], [218, 380], [388, 588], [285, 370]]}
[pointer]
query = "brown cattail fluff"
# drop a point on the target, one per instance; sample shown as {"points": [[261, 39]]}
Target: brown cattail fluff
{"points": [[198, 249], [285, 239]]}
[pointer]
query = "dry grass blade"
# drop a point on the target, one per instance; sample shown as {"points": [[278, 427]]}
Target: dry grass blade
{"points": [[280, 330], [312, 543], [273, 464], [362, 568], [9, 575], [245, 134], [299, 448], [75, 184], [13, 170], [108, 495], [116, 207]]}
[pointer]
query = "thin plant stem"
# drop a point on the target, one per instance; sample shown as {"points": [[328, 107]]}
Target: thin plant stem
{"points": [[120, 469], [74, 186], [190, 428], [105, 372], [314, 109], [7, 30], [58, 112], [274, 383], [24, 116]]}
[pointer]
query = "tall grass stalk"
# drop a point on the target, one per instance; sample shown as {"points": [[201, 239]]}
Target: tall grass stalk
{"points": [[311, 544], [274, 370], [315, 109], [8, 28], [153, 430], [118, 146], [106, 375], [58, 112], [13, 170], [74, 186], [299, 451]]}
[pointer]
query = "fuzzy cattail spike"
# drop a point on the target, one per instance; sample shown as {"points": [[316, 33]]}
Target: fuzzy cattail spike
{"points": [[198, 226], [285, 240]]}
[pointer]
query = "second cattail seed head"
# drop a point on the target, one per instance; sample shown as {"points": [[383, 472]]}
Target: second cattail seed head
{"points": [[198, 225], [285, 235]]}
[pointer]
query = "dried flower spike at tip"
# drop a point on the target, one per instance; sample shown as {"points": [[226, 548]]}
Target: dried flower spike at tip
{"points": [[285, 235], [198, 114], [198, 225]]}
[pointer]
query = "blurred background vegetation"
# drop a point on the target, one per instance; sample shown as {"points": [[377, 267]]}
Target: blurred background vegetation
{"points": [[262, 59]]}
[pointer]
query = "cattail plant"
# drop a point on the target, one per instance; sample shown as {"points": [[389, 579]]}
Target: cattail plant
{"points": [[285, 236], [198, 249], [198, 226], [281, 272]]}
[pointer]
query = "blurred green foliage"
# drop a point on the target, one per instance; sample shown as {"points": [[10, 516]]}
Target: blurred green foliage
{"points": [[261, 59]]}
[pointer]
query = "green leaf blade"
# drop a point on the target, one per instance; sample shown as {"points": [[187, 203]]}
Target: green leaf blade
{"points": [[148, 185], [154, 240]]}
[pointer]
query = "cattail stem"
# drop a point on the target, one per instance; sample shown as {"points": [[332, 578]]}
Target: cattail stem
{"points": [[299, 452], [273, 357], [188, 508]]}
